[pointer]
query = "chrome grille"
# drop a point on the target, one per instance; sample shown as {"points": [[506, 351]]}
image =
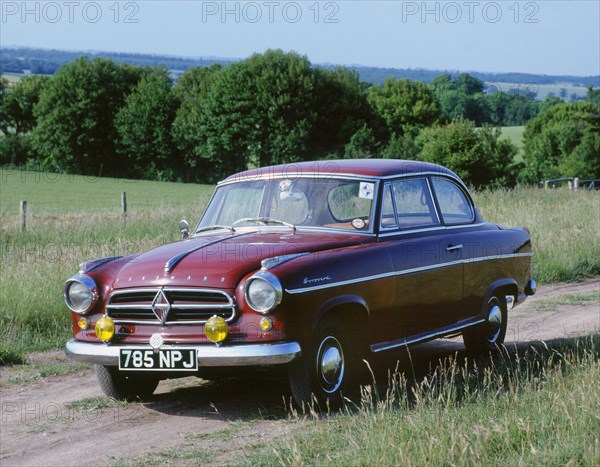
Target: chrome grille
{"points": [[182, 305]]}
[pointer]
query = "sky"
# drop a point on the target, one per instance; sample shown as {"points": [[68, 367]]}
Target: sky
{"points": [[546, 37]]}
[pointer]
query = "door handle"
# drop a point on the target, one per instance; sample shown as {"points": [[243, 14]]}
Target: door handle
{"points": [[454, 247]]}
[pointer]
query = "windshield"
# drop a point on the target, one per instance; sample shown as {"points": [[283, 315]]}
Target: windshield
{"points": [[301, 202]]}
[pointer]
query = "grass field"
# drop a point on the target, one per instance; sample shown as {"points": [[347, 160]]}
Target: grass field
{"points": [[73, 218], [49, 193], [12, 78], [539, 406], [515, 135], [544, 91]]}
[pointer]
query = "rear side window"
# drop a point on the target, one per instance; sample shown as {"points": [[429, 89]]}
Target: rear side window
{"points": [[454, 205]]}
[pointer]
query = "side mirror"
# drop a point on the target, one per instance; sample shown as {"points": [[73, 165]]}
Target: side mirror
{"points": [[184, 228]]}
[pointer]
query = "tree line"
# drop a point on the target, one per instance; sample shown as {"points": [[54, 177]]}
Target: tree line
{"points": [[45, 61], [98, 117]]}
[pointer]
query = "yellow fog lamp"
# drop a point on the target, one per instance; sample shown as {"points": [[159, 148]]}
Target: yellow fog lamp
{"points": [[216, 329], [105, 329], [83, 324], [266, 324]]}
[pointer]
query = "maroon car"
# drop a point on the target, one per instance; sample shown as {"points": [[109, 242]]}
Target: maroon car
{"points": [[311, 267]]}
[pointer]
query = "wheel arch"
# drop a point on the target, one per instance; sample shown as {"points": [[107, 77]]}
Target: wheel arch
{"points": [[351, 309], [506, 287]]}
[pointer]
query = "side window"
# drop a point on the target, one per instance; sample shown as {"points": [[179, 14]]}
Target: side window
{"points": [[388, 215], [347, 203], [413, 204], [454, 205]]}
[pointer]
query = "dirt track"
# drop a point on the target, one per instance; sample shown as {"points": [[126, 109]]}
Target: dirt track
{"points": [[38, 427]]}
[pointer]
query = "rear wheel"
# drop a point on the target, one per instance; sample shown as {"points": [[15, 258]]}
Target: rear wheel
{"points": [[488, 336], [121, 386], [327, 372]]}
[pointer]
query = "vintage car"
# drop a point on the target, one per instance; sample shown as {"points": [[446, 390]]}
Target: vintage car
{"points": [[308, 267]]}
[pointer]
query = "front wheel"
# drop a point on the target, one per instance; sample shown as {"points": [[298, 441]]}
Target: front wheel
{"points": [[327, 372], [488, 336], [121, 386]]}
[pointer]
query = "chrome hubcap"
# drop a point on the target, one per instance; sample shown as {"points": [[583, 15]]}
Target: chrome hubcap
{"points": [[330, 364], [494, 323]]}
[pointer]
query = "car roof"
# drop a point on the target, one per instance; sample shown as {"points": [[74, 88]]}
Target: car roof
{"points": [[362, 167]]}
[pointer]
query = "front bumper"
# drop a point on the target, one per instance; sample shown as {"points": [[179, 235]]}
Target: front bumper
{"points": [[208, 355]]}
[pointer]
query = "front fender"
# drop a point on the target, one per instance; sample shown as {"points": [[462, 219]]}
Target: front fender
{"points": [[340, 302]]}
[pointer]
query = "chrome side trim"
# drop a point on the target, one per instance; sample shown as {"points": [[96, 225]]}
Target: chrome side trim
{"points": [[294, 175], [208, 355], [332, 175], [380, 347], [486, 258], [404, 272], [426, 229]]}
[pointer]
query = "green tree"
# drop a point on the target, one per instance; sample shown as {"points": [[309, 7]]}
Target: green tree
{"points": [[195, 82], [563, 141], [144, 129], [258, 112], [75, 131], [342, 112], [17, 119], [462, 97], [478, 156], [593, 95], [404, 105], [19, 102], [513, 109], [362, 144], [192, 89]]}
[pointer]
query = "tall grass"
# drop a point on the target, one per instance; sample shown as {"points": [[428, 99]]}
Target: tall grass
{"points": [[62, 232], [540, 406], [565, 228]]}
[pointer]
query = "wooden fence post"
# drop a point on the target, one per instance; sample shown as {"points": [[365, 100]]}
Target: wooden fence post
{"points": [[23, 215], [124, 206]]}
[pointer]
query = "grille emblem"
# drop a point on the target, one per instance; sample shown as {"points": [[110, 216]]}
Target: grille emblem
{"points": [[161, 306]]}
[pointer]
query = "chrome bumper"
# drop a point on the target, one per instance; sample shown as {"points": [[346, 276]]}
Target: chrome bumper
{"points": [[530, 287], [208, 355]]}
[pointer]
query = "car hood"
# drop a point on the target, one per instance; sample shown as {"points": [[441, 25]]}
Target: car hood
{"points": [[222, 260]]}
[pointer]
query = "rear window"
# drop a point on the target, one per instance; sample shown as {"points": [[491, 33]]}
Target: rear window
{"points": [[454, 205]]}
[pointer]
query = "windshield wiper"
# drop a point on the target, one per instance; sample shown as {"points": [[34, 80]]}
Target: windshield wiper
{"points": [[264, 221], [214, 227]]}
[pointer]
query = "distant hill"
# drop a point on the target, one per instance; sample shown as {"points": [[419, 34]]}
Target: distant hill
{"points": [[44, 61]]}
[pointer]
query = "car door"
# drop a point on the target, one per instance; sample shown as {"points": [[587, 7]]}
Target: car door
{"points": [[429, 272]]}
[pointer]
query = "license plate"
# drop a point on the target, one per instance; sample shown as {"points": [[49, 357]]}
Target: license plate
{"points": [[163, 359]]}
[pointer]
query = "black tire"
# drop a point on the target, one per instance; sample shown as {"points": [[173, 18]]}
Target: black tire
{"points": [[488, 336], [121, 386], [328, 370]]}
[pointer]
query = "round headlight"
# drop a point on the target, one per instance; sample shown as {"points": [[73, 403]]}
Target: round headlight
{"points": [[263, 292], [81, 293]]}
